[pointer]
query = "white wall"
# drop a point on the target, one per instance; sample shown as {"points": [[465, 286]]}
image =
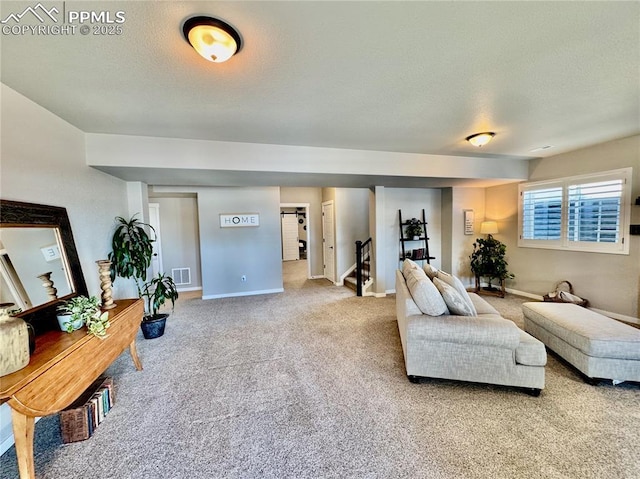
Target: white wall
{"points": [[610, 282], [411, 201], [229, 253], [461, 244], [43, 161], [352, 224]]}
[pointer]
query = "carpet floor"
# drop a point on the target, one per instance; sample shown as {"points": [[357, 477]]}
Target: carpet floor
{"points": [[310, 383]]}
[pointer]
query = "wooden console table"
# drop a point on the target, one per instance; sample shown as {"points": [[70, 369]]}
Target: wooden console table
{"points": [[61, 368]]}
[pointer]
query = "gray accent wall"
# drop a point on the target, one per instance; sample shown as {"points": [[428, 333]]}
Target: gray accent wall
{"points": [[229, 253], [180, 236]]}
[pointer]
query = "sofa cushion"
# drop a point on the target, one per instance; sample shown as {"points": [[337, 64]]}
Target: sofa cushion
{"points": [[454, 301], [592, 333], [424, 293], [482, 307], [451, 280], [530, 351]]}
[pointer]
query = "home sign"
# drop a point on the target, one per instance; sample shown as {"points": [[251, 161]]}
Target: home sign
{"points": [[236, 220]]}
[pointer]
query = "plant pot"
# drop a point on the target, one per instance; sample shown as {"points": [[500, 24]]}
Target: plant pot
{"points": [[153, 326], [65, 319]]}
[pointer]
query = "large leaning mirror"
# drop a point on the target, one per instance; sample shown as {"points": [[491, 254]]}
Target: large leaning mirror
{"points": [[39, 265]]}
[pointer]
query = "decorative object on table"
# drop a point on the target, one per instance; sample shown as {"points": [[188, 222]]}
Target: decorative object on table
{"points": [[157, 291], [14, 341], [73, 313], [414, 229], [104, 271], [488, 261], [563, 293], [132, 250], [52, 292]]}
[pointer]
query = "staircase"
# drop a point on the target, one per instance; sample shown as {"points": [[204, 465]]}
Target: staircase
{"points": [[360, 276]]}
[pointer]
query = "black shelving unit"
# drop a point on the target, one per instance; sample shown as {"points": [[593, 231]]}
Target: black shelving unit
{"points": [[423, 241]]}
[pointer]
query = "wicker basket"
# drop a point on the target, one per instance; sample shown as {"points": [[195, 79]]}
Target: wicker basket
{"points": [[563, 286]]}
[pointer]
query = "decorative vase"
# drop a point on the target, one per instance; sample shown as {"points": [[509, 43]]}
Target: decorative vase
{"points": [[104, 270], [14, 343]]}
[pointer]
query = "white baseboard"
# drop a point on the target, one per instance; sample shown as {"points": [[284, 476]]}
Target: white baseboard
{"points": [[243, 293], [620, 317], [317, 277], [184, 290], [523, 293]]}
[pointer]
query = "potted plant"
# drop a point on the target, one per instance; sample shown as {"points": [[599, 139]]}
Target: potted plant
{"points": [[487, 261], [73, 313], [157, 291], [414, 229], [132, 250]]}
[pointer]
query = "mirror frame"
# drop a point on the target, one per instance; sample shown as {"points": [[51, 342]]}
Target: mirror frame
{"points": [[20, 214]]}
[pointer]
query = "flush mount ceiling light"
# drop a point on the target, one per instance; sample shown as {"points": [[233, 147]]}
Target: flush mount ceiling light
{"points": [[480, 139], [215, 40]]}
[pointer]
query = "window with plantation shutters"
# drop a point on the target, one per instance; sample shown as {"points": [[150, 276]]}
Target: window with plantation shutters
{"points": [[583, 213]]}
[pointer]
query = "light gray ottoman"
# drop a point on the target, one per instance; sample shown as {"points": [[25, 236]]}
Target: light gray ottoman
{"points": [[600, 347]]}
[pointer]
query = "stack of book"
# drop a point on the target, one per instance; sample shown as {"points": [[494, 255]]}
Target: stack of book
{"points": [[418, 253], [79, 420]]}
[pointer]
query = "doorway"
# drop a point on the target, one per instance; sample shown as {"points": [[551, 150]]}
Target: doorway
{"points": [[328, 241], [295, 233]]}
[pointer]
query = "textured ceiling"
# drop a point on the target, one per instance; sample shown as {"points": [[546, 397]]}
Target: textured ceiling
{"points": [[389, 76]]}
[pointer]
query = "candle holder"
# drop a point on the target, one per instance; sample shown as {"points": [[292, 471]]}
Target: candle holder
{"points": [[104, 269], [52, 292]]}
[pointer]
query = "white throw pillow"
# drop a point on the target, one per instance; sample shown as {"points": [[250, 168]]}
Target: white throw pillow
{"points": [[456, 304], [430, 270], [425, 294], [408, 265], [453, 281]]}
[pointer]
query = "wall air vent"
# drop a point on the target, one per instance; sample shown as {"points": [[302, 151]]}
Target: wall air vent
{"points": [[181, 276]]}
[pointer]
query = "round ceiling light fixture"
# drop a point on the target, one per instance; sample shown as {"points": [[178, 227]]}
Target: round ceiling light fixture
{"points": [[213, 39], [480, 139]]}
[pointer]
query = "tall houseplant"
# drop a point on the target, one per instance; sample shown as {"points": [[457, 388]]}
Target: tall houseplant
{"points": [[132, 251], [488, 261]]}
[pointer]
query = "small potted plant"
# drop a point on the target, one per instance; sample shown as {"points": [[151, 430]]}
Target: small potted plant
{"points": [[157, 291], [74, 313], [414, 229]]}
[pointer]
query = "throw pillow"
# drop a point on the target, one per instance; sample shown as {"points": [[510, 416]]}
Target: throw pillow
{"points": [[408, 265], [425, 294], [452, 299], [431, 271], [453, 281]]}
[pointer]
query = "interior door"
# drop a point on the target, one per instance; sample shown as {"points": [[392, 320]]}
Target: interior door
{"points": [[154, 221], [328, 241], [290, 247]]}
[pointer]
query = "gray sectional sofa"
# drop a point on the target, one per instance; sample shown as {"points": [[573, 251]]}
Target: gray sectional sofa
{"points": [[485, 348]]}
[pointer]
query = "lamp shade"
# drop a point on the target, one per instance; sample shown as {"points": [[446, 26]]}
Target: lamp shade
{"points": [[489, 228], [213, 39]]}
